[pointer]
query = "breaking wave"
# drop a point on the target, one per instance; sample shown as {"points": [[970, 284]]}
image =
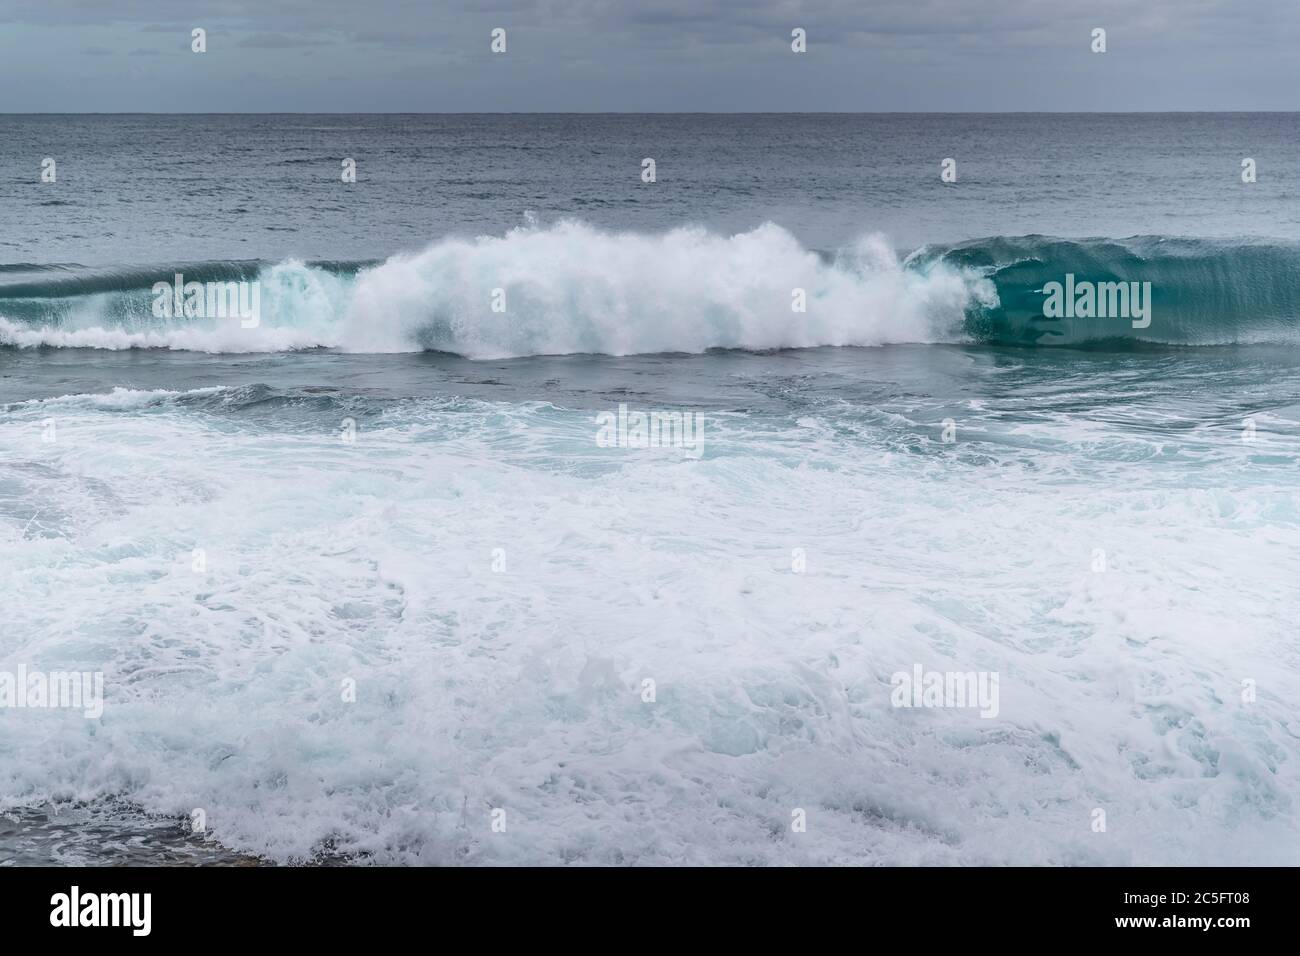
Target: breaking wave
{"points": [[572, 288]]}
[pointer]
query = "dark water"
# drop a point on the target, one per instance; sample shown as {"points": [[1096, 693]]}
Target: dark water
{"points": [[104, 834], [152, 190]]}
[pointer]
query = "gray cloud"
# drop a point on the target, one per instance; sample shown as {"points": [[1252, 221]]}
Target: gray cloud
{"points": [[653, 55], [276, 41]]}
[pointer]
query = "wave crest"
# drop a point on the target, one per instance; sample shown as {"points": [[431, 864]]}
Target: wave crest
{"points": [[571, 288], [567, 288]]}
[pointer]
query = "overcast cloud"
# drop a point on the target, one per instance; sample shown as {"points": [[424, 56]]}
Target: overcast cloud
{"points": [[653, 55]]}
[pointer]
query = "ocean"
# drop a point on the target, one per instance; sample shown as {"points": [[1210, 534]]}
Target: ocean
{"points": [[541, 514]]}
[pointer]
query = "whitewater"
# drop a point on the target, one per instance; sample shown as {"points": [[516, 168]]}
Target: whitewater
{"points": [[497, 587], [568, 287]]}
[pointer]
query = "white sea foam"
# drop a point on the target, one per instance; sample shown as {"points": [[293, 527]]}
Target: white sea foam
{"points": [[521, 687], [568, 288], [117, 398]]}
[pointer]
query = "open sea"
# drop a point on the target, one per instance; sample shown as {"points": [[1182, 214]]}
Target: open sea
{"points": [[366, 583]]}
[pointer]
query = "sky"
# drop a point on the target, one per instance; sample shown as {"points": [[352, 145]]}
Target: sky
{"points": [[648, 55]]}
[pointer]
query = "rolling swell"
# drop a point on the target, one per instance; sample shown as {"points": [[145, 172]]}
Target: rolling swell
{"points": [[1203, 292], [572, 288]]}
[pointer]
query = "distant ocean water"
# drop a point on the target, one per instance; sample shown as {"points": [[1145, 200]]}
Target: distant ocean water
{"points": [[363, 574]]}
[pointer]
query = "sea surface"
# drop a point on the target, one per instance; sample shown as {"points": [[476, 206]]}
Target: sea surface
{"points": [[367, 585]]}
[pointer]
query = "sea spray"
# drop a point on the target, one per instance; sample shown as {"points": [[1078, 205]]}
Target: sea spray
{"points": [[566, 288]]}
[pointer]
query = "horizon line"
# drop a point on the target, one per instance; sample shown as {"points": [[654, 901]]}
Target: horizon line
{"points": [[647, 112]]}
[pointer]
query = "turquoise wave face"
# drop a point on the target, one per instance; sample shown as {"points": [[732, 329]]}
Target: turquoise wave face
{"points": [[1190, 291], [55, 295]]}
